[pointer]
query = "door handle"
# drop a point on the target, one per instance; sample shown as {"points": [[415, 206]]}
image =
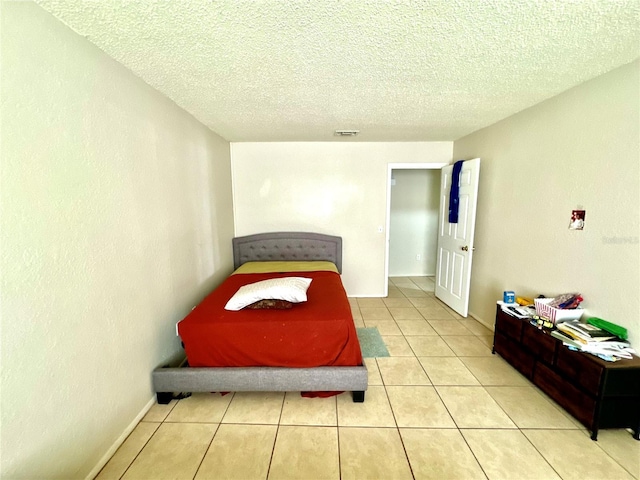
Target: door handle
{"points": [[466, 248]]}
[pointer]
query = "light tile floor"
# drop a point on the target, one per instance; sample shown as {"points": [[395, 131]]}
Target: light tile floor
{"points": [[441, 407]]}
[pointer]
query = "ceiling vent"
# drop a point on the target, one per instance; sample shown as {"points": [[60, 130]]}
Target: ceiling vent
{"points": [[346, 133]]}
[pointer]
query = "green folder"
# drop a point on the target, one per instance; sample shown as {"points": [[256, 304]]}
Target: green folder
{"points": [[617, 330]]}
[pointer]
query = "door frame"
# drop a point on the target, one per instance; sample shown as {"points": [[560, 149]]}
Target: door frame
{"points": [[390, 168]]}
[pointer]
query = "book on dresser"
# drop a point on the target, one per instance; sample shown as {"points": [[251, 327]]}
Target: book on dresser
{"points": [[584, 332], [593, 340], [567, 339]]}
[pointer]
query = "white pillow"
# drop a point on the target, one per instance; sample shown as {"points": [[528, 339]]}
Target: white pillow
{"points": [[291, 289]]}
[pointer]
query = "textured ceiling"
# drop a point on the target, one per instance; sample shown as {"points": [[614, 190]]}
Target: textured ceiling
{"points": [[290, 70]]}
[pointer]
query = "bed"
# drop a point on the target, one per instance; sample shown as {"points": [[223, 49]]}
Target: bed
{"points": [[221, 353]]}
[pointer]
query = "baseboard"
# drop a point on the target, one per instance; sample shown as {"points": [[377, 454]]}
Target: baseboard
{"points": [[127, 431], [490, 326], [417, 275]]}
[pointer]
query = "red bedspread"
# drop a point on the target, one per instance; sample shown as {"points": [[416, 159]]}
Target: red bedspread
{"points": [[318, 332]]}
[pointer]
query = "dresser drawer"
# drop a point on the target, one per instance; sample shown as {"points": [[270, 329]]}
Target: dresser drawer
{"points": [[512, 353], [509, 326], [539, 343], [574, 401], [579, 369]]}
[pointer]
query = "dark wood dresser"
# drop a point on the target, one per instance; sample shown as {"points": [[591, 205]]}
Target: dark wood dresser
{"points": [[599, 394]]}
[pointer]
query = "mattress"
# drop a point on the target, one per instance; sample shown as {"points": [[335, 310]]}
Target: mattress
{"points": [[318, 332]]}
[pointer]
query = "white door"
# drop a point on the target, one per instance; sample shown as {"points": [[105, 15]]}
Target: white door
{"points": [[455, 240]]}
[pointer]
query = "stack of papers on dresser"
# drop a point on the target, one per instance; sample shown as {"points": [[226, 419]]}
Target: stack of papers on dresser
{"points": [[516, 310], [591, 339]]}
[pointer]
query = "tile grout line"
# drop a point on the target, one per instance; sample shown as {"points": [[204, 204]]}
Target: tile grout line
{"points": [[338, 435], [214, 434], [207, 450], [404, 447], [395, 419], [459, 430], [137, 454], [275, 439], [145, 443]]}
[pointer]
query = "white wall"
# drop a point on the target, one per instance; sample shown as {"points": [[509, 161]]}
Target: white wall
{"points": [[578, 149], [339, 188], [116, 220], [413, 226]]}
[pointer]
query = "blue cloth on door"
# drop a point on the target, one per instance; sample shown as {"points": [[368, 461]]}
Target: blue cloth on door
{"points": [[454, 194]]}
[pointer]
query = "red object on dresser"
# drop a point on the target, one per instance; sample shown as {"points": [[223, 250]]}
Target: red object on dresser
{"points": [[318, 332]]}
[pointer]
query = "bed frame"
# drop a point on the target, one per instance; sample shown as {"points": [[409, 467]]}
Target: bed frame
{"points": [[275, 246]]}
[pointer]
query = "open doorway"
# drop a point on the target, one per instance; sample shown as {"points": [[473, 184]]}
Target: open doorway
{"points": [[412, 221]]}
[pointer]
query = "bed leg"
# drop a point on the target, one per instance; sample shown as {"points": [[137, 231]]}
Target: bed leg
{"points": [[164, 397], [358, 397]]}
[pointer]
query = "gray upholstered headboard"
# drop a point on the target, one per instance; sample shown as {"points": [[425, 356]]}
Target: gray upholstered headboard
{"points": [[287, 246]]}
